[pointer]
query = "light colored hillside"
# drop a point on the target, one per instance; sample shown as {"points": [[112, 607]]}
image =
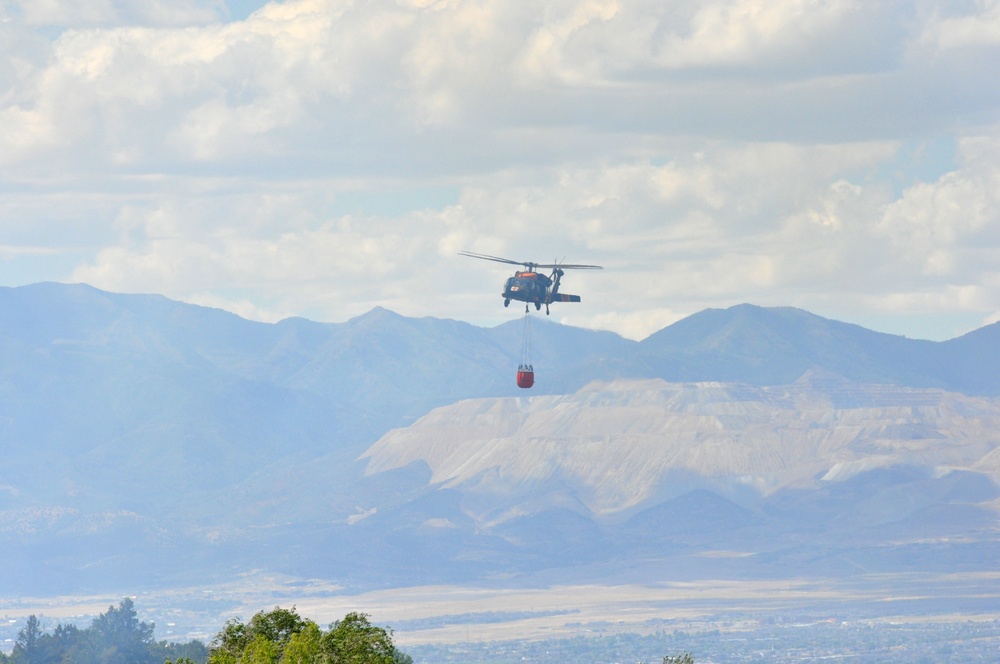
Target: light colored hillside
{"points": [[616, 446]]}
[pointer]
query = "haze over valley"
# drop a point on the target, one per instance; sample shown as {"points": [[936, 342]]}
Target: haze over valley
{"points": [[152, 446]]}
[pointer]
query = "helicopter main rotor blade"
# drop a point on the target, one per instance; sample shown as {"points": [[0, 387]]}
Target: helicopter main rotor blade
{"points": [[568, 266], [487, 257], [529, 264]]}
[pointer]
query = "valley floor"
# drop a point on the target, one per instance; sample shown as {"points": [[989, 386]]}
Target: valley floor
{"points": [[885, 617]]}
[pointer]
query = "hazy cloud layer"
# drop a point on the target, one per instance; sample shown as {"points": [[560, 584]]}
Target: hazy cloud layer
{"points": [[319, 157]]}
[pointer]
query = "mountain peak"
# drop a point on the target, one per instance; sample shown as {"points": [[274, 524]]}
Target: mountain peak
{"points": [[377, 313], [776, 345]]}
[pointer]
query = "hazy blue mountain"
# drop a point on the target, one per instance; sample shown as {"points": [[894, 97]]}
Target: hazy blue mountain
{"points": [[147, 440], [763, 346]]}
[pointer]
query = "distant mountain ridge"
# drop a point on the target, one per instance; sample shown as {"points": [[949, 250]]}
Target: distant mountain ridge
{"points": [[149, 440], [772, 346], [451, 359]]}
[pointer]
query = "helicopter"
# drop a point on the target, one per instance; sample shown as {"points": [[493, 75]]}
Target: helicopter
{"points": [[532, 287]]}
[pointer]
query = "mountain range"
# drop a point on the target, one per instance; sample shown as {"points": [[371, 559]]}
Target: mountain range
{"points": [[147, 441]]}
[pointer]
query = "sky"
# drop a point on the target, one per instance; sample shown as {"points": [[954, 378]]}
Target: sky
{"points": [[318, 158]]}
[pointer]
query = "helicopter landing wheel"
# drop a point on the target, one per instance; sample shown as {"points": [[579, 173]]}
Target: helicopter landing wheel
{"points": [[506, 302], [538, 306]]}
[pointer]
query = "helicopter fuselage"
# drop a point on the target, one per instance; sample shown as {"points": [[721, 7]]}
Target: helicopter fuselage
{"points": [[531, 286], [535, 288], [527, 287]]}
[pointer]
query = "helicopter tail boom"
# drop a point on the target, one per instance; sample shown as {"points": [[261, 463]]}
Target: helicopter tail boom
{"points": [[565, 297]]}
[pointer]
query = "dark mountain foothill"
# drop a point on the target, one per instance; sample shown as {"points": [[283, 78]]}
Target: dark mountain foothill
{"points": [[154, 442]]}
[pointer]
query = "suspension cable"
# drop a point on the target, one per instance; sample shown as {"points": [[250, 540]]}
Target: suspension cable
{"points": [[526, 342]]}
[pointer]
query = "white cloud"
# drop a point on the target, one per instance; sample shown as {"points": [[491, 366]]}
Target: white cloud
{"points": [[705, 153], [976, 28], [334, 82], [671, 243], [941, 226], [115, 12], [675, 238], [742, 34]]}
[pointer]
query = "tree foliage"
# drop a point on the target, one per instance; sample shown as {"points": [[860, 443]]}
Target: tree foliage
{"points": [[120, 638], [281, 636], [306, 646], [29, 646], [683, 658], [354, 640], [273, 627], [114, 637]]}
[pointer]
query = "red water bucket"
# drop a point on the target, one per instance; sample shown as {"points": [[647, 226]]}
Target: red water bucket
{"points": [[525, 376]]}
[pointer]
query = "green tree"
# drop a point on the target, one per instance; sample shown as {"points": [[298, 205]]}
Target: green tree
{"points": [[69, 644], [305, 647], [281, 636], [120, 637], [114, 637], [354, 640], [229, 644], [29, 644], [192, 652], [276, 627], [260, 650], [683, 658]]}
